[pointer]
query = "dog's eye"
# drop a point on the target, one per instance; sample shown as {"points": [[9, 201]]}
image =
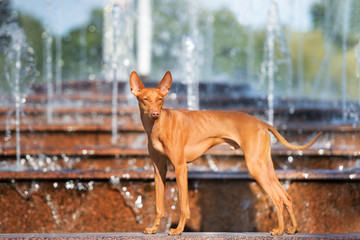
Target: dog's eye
{"points": [[160, 98], [146, 99]]}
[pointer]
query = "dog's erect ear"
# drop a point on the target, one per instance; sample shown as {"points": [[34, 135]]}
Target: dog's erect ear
{"points": [[136, 84], [165, 83]]}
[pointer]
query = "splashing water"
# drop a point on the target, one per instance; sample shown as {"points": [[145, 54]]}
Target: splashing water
{"points": [[134, 203], [114, 65], [191, 76], [24, 190], [269, 67], [47, 65], [19, 71], [344, 49], [54, 209], [174, 197], [211, 163], [324, 71], [358, 67], [192, 46], [58, 54], [118, 50]]}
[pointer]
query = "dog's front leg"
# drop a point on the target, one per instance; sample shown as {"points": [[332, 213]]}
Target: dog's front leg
{"points": [[181, 172], [160, 169]]}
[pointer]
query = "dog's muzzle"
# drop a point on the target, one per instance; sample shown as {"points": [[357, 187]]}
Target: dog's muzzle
{"points": [[155, 115]]}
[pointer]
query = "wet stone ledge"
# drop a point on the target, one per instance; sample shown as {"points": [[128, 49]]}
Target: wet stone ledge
{"points": [[194, 236]]}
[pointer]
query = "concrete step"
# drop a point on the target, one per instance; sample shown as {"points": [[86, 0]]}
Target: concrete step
{"points": [[144, 175], [185, 235]]}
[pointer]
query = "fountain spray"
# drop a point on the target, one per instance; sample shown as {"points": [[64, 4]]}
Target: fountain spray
{"points": [[192, 61], [269, 67], [47, 66], [345, 28], [19, 70]]}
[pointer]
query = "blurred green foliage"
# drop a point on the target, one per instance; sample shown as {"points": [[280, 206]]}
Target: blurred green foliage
{"points": [[82, 47]]}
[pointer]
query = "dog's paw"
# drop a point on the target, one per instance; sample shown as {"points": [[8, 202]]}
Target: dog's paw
{"points": [[291, 230], [150, 230], [277, 232], [174, 231]]}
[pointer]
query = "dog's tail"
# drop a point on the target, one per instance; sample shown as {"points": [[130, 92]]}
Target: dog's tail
{"points": [[289, 145]]}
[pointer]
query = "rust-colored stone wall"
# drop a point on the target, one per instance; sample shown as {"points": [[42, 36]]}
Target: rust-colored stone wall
{"points": [[216, 205]]}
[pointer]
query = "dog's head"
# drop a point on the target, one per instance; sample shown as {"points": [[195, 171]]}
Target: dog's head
{"points": [[150, 100]]}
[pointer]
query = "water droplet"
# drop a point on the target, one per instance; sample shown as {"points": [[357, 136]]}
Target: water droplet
{"points": [[352, 176], [108, 8], [138, 202], [30, 50], [91, 185], [321, 151], [92, 76], [114, 65], [126, 176], [189, 43], [290, 159], [305, 175], [292, 110], [114, 180], [18, 65], [341, 167], [126, 62], [41, 163], [17, 47], [69, 185], [44, 35], [139, 219], [81, 187]]}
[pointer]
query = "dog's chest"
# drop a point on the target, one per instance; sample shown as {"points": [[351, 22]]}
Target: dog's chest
{"points": [[156, 142], [158, 146]]}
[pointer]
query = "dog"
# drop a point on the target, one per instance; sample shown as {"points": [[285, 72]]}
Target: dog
{"points": [[183, 136]]}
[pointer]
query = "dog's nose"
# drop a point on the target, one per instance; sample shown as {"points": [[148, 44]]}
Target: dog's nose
{"points": [[155, 115]]}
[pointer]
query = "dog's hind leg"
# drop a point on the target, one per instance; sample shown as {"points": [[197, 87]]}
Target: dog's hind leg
{"points": [[269, 184], [266, 177], [260, 166], [289, 207]]}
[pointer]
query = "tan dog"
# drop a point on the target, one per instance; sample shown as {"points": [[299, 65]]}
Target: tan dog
{"points": [[183, 136]]}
